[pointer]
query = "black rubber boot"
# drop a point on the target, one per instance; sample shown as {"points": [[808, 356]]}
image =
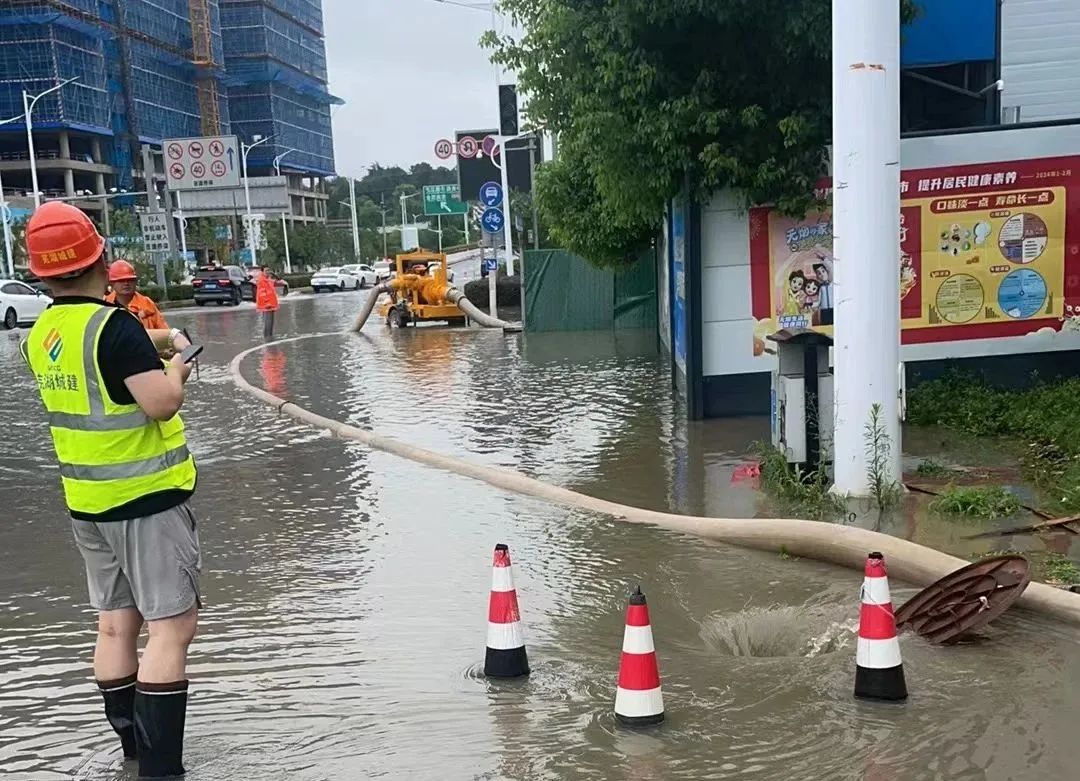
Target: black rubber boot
{"points": [[160, 709], [120, 710]]}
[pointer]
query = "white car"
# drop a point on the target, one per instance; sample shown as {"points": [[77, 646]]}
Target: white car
{"points": [[384, 270], [334, 278], [20, 304], [366, 274]]}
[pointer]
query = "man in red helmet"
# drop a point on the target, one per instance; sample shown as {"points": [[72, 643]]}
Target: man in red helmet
{"points": [[122, 280], [127, 475]]}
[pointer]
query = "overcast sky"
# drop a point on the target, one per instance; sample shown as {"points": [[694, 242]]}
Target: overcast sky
{"points": [[410, 72]]}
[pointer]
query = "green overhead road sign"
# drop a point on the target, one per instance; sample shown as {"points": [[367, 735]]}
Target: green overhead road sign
{"points": [[443, 199]]}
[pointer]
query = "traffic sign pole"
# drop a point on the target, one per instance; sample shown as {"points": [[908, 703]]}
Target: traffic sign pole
{"points": [[504, 157]]}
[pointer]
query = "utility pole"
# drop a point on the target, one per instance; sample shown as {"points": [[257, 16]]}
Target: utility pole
{"points": [[355, 226], [534, 143], [382, 208], [866, 231], [504, 160]]}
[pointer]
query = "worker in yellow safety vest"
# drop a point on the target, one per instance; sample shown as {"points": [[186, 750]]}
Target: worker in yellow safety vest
{"points": [[127, 475]]}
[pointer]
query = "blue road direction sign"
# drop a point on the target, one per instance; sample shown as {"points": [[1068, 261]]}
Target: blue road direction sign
{"points": [[491, 194], [493, 220], [491, 264]]}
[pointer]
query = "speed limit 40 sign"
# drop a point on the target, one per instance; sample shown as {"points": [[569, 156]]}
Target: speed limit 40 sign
{"points": [[444, 148]]}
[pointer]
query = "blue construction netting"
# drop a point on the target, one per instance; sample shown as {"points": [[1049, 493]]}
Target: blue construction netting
{"points": [[306, 12], [166, 99], [138, 90], [256, 30], [37, 56], [293, 120]]}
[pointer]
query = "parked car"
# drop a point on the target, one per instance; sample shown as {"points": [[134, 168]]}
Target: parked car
{"points": [[365, 273], [334, 278], [248, 288], [224, 284], [36, 283], [384, 270], [20, 304]]}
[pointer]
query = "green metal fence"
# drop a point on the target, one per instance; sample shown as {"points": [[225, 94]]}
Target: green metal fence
{"points": [[565, 293]]}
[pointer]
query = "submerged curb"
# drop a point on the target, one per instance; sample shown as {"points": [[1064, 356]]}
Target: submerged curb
{"points": [[843, 545]]}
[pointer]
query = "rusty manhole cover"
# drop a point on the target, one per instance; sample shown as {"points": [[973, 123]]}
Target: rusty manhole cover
{"points": [[965, 600]]}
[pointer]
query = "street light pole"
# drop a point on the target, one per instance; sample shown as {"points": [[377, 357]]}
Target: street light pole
{"points": [[28, 108], [284, 227], [244, 149], [355, 224], [5, 215]]}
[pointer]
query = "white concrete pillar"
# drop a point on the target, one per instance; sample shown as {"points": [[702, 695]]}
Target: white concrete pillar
{"points": [[69, 182], [866, 228], [65, 145], [95, 149], [99, 184]]}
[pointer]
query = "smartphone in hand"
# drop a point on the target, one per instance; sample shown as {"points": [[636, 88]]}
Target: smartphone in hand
{"points": [[191, 352]]}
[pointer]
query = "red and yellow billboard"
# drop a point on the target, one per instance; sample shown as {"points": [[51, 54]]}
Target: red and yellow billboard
{"points": [[986, 251]]}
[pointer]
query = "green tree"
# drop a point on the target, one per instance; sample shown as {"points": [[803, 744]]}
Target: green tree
{"points": [[646, 97]]}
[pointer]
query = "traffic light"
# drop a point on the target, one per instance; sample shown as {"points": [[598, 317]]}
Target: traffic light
{"points": [[508, 110]]}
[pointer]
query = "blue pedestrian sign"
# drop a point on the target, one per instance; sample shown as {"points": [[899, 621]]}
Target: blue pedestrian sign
{"points": [[491, 264], [491, 194], [493, 220]]}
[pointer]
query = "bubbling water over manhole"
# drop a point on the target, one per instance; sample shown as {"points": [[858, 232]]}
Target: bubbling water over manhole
{"points": [[781, 631]]}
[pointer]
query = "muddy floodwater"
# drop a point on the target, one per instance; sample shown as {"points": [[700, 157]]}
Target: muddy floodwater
{"points": [[346, 590]]}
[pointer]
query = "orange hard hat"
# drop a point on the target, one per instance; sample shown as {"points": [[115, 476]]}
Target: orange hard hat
{"points": [[61, 240], [121, 271]]}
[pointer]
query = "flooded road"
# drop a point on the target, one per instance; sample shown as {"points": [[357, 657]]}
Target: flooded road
{"points": [[346, 590]]}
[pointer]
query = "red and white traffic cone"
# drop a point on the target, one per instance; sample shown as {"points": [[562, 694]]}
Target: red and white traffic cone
{"points": [[638, 699], [505, 656], [879, 672]]}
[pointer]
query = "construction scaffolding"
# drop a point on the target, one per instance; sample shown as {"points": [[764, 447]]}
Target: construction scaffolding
{"points": [[275, 57], [146, 69], [36, 55]]}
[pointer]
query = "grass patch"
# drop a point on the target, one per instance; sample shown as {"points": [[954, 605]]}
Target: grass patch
{"points": [[985, 502], [1046, 416], [1059, 569], [806, 492], [931, 468]]}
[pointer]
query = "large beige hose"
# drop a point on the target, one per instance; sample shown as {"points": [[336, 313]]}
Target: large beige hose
{"points": [[455, 296], [844, 545], [373, 299]]}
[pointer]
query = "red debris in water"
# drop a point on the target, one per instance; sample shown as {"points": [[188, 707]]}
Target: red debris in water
{"points": [[747, 471]]}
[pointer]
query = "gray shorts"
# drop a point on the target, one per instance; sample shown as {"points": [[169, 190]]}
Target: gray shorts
{"points": [[150, 563]]}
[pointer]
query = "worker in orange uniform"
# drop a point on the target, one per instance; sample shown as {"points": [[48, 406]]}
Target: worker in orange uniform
{"points": [[122, 280], [266, 300]]}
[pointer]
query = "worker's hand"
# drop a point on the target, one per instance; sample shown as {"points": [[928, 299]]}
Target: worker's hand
{"points": [[183, 370]]}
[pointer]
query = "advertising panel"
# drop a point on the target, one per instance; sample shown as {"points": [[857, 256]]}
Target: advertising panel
{"points": [[680, 324], [986, 251]]}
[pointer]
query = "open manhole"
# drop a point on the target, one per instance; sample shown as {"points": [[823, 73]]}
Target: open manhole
{"points": [[965, 600]]}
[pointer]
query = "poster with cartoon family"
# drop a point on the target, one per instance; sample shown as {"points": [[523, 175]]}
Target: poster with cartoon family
{"points": [[802, 274]]}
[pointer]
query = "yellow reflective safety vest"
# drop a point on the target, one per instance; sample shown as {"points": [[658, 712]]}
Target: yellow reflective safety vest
{"points": [[110, 454]]}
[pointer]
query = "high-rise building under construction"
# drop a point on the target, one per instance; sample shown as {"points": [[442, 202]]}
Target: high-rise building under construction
{"points": [[145, 70]]}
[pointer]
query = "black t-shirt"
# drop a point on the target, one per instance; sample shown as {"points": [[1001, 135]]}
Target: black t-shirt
{"points": [[124, 350]]}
